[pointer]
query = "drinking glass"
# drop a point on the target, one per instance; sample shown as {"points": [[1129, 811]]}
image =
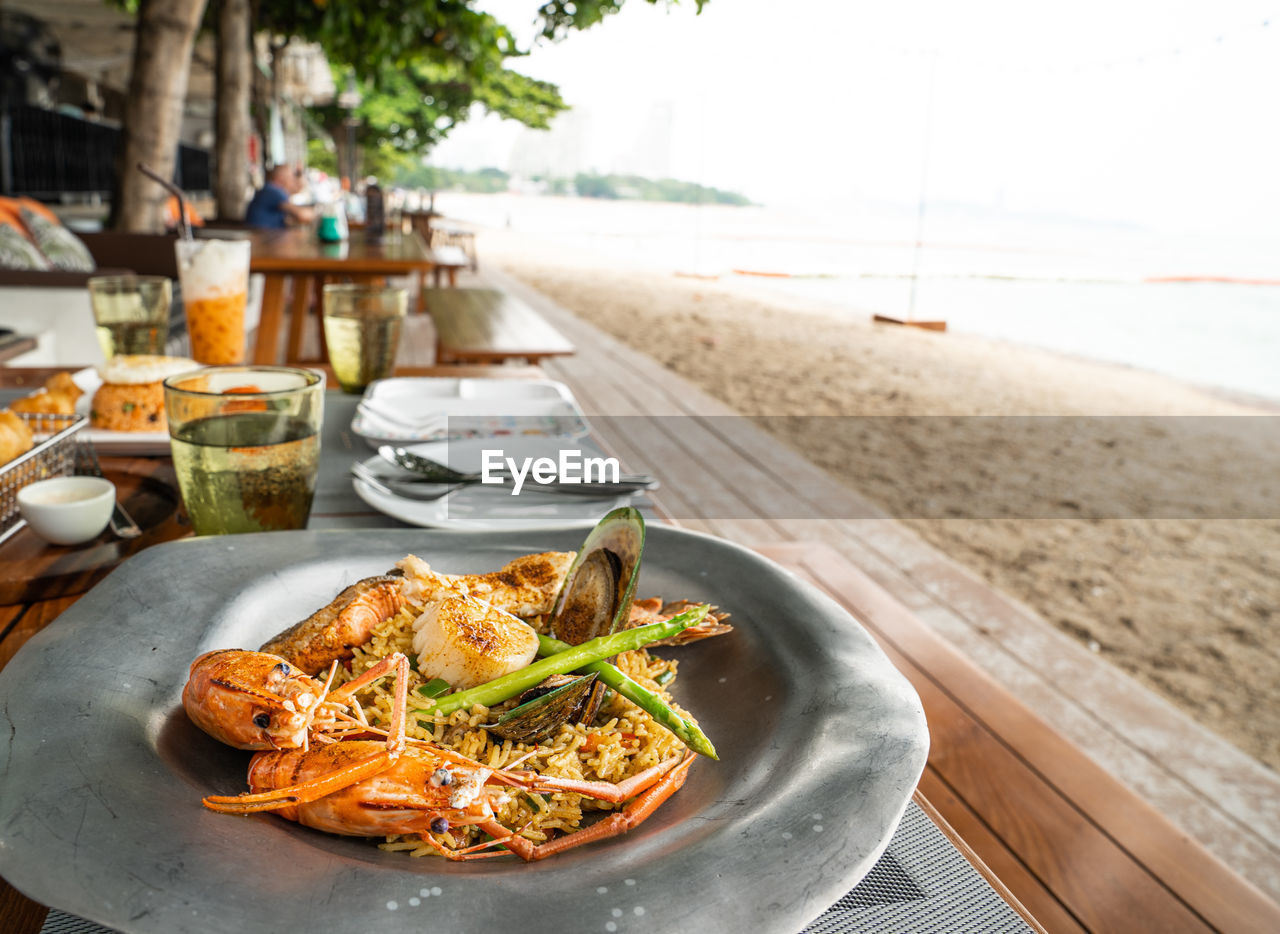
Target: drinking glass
{"points": [[246, 445], [131, 312], [215, 288], [362, 331]]}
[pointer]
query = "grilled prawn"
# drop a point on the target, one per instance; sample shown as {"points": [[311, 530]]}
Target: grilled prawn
{"points": [[365, 788], [253, 700], [332, 632]]}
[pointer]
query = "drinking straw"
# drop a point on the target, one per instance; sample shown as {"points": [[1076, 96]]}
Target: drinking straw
{"points": [[184, 222]]}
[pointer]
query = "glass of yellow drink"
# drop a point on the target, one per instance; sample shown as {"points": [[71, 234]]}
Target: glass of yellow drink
{"points": [[362, 332], [131, 312], [246, 445], [215, 287]]}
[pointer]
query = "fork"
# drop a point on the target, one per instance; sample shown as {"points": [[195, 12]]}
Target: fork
{"points": [[122, 523]]}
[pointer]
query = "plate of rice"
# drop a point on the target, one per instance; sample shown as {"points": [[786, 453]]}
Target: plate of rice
{"points": [[124, 399], [821, 742]]}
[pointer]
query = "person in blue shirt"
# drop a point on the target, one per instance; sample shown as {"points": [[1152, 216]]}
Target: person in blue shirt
{"points": [[271, 207]]}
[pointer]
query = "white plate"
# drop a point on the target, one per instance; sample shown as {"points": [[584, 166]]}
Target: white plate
{"points": [[466, 408], [115, 442], [483, 508]]}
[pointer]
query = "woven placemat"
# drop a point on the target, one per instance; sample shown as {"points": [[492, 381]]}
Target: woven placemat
{"points": [[921, 883]]}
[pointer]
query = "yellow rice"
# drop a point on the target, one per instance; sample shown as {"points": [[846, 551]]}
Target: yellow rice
{"points": [[626, 741]]}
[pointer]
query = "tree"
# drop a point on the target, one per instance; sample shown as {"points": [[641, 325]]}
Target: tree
{"points": [[422, 65], [408, 111], [377, 37], [153, 111], [560, 17], [234, 90]]}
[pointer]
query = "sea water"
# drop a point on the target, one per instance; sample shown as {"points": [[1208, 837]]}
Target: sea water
{"points": [[1085, 288]]}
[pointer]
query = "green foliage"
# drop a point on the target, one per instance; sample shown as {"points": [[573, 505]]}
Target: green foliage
{"points": [[422, 67], [413, 108], [485, 181], [383, 163], [594, 186], [407, 111], [560, 17], [633, 187], [380, 35], [385, 33], [322, 155], [585, 185]]}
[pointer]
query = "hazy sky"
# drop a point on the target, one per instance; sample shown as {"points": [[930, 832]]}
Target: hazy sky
{"points": [[1160, 112]]}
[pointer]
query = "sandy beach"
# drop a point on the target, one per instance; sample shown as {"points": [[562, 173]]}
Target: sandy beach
{"points": [[1186, 604]]}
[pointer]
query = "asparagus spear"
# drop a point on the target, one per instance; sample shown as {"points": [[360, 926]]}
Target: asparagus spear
{"points": [[500, 689], [687, 732]]}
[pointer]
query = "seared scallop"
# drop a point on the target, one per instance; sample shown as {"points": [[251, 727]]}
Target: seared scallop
{"points": [[469, 642]]}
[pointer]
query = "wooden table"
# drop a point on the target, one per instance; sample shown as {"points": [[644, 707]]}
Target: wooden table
{"points": [[20, 621], [33, 377], [490, 326], [284, 255]]}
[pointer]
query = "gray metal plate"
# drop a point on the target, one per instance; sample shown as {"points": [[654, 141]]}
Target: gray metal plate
{"points": [[821, 743]]}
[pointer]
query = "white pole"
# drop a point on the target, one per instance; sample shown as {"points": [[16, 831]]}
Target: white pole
{"points": [[924, 180]]}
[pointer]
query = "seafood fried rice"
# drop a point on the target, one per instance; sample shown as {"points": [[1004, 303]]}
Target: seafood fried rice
{"points": [[623, 742]]}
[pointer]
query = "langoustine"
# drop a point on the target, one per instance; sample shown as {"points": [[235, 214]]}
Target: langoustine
{"points": [[332, 632], [254, 700], [361, 788]]}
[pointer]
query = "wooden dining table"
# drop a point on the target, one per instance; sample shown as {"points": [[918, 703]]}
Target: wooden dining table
{"points": [[296, 257]]}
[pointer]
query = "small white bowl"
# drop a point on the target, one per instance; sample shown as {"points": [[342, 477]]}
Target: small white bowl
{"points": [[67, 510]]}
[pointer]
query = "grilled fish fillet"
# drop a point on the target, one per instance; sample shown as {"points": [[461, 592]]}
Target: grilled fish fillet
{"points": [[468, 642], [527, 586]]}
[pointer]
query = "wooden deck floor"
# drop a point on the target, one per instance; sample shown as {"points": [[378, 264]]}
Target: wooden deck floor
{"points": [[710, 463]]}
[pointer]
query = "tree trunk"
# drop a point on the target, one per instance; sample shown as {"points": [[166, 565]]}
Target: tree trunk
{"points": [[235, 81], [153, 112]]}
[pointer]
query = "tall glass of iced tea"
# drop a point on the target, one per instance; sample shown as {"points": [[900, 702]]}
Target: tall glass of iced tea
{"points": [[215, 287]]}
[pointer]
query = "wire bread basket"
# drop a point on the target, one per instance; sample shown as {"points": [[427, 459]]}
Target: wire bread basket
{"points": [[55, 456]]}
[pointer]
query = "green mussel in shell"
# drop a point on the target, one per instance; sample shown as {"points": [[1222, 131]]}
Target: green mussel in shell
{"points": [[544, 707], [595, 599]]}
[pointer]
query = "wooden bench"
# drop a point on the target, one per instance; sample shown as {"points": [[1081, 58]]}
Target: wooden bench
{"points": [[463, 240], [450, 251], [490, 326], [446, 261]]}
